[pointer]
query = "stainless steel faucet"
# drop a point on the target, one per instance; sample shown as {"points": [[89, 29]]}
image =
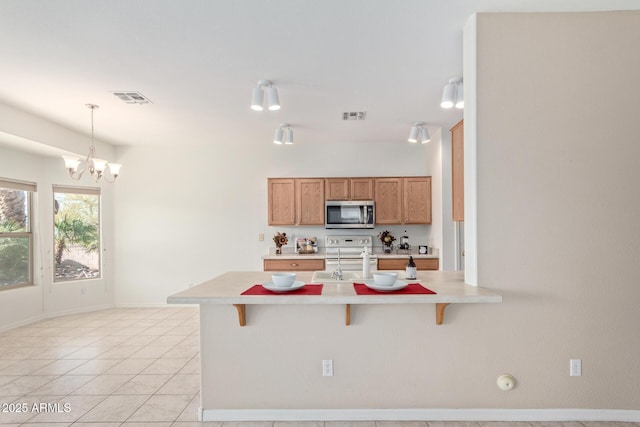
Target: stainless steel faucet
{"points": [[338, 273]]}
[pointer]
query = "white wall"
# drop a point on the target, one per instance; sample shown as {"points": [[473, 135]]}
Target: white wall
{"points": [[185, 215], [26, 304]]}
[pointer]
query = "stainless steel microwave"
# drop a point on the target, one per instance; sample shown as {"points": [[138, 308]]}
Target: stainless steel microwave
{"points": [[349, 214]]}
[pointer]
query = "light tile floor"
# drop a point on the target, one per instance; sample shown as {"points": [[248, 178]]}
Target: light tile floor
{"points": [[130, 367]]}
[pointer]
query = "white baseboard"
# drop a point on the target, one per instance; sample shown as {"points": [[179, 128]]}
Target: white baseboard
{"points": [[153, 305], [43, 316], [79, 310], [22, 322], [619, 415]]}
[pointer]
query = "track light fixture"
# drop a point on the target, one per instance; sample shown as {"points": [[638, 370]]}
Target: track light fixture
{"points": [[419, 129], [284, 133], [453, 94], [95, 167], [257, 96]]}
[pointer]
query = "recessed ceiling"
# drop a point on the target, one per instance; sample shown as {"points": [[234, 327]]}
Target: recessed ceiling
{"points": [[197, 60]]}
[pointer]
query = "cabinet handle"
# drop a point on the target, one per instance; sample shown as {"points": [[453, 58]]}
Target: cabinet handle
{"points": [[293, 264]]}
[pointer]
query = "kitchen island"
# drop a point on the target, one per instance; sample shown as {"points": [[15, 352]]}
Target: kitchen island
{"points": [[261, 355]]}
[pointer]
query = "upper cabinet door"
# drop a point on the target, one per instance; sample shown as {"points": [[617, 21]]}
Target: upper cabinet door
{"points": [[417, 200], [361, 188], [337, 188], [388, 198], [310, 199], [457, 171], [349, 188], [282, 201]]}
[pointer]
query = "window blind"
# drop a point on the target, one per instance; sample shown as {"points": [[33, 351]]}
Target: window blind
{"points": [[76, 190], [18, 185]]}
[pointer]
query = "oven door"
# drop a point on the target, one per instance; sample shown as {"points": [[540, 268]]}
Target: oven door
{"points": [[349, 264]]}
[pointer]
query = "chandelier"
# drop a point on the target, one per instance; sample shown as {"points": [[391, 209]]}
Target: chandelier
{"points": [[96, 167]]}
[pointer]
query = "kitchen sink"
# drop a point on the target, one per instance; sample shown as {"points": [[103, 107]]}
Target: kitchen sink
{"points": [[327, 276]]}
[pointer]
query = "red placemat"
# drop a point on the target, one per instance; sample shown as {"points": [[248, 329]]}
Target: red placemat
{"points": [[411, 289], [305, 290]]}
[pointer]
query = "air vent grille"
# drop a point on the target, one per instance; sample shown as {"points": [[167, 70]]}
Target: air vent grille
{"points": [[354, 115], [132, 97]]}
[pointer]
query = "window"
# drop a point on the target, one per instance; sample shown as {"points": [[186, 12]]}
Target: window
{"points": [[76, 233], [16, 238]]}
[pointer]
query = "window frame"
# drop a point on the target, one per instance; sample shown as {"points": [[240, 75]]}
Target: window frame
{"points": [[68, 189], [30, 188]]}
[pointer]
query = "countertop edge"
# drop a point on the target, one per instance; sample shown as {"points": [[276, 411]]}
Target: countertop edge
{"points": [[228, 288], [379, 255], [337, 300]]}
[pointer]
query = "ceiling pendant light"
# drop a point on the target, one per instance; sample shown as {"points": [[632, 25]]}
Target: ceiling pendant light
{"points": [[96, 167], [413, 135], [419, 129], [288, 136], [424, 135], [277, 138], [453, 94], [257, 96], [273, 102], [284, 133]]}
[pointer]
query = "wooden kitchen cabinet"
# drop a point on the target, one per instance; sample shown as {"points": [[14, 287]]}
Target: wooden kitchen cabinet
{"points": [[457, 171], [310, 201], [282, 201], [416, 200], [295, 201], [401, 263], [349, 188], [285, 264], [336, 188], [405, 200], [388, 198]]}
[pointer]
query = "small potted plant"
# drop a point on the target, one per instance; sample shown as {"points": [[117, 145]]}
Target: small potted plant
{"points": [[280, 239], [387, 240]]}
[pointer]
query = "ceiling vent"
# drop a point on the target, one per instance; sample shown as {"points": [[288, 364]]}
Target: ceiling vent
{"points": [[131, 97], [354, 115]]}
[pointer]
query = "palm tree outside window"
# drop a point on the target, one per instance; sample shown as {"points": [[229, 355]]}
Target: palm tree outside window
{"points": [[76, 233], [16, 237]]}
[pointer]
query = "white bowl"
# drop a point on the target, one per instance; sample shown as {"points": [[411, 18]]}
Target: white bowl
{"points": [[283, 280], [385, 279]]}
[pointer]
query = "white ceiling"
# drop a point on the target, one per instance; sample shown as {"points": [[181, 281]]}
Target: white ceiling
{"points": [[198, 60]]}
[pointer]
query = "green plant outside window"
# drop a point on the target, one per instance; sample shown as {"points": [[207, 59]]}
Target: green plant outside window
{"points": [[15, 236], [76, 236]]}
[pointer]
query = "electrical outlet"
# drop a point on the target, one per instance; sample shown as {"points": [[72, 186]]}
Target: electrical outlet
{"points": [[575, 367], [327, 368], [260, 237]]}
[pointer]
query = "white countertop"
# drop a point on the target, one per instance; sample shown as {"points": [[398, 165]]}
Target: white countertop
{"points": [[226, 289], [379, 253]]}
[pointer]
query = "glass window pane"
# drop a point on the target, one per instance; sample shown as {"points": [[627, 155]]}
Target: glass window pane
{"points": [[14, 260], [14, 210], [77, 236], [15, 237]]}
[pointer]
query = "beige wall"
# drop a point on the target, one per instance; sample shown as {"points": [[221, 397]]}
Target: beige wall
{"points": [[558, 209]]}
